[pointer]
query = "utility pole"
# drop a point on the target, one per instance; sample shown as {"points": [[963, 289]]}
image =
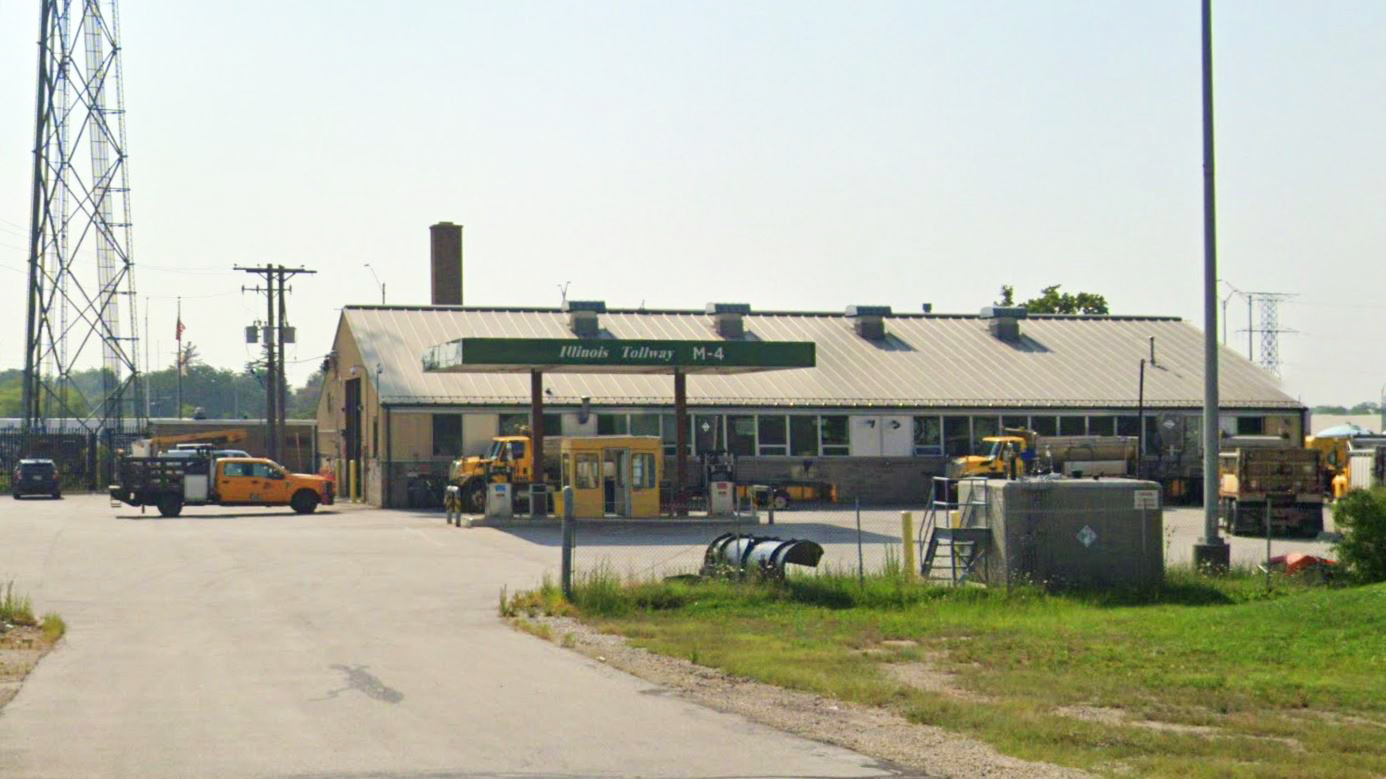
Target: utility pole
{"points": [[1211, 552], [282, 387], [274, 276]]}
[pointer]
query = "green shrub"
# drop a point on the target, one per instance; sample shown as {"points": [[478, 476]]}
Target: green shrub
{"points": [[1361, 519]]}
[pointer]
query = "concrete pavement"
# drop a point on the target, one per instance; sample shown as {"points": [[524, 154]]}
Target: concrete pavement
{"points": [[349, 643]]}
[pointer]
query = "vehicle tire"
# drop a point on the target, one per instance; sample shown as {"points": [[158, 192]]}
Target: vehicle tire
{"points": [[304, 502], [58, 495], [474, 498], [781, 500], [170, 506]]}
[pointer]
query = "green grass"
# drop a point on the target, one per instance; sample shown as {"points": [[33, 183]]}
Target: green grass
{"points": [[1299, 662], [15, 608]]}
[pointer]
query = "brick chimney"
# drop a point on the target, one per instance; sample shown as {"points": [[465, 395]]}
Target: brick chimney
{"points": [[445, 241]]}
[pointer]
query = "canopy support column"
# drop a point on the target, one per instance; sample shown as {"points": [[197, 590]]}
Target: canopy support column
{"points": [[681, 442], [538, 499]]}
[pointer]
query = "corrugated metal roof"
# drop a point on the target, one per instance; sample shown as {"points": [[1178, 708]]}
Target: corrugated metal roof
{"points": [[930, 360]]}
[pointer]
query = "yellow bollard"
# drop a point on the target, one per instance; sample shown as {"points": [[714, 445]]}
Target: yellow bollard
{"points": [[351, 480], [907, 543]]}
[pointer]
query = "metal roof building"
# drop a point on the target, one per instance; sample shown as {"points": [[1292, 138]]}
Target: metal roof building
{"points": [[936, 382]]}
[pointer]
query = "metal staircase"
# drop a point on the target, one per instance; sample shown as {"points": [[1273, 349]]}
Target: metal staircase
{"points": [[965, 546]]}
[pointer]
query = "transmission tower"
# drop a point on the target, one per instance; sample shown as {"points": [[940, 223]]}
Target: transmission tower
{"points": [[81, 269], [1270, 328]]}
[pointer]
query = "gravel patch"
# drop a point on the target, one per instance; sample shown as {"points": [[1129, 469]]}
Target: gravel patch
{"points": [[20, 650], [921, 749]]}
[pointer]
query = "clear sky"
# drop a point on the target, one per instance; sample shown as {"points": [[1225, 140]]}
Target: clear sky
{"points": [[794, 155]]}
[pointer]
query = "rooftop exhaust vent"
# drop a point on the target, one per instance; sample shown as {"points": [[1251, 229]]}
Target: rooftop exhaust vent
{"points": [[582, 316], [1004, 321], [728, 319], [869, 321]]}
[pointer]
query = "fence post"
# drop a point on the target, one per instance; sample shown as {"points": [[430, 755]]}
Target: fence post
{"points": [[907, 544], [861, 566], [1269, 501], [569, 538]]}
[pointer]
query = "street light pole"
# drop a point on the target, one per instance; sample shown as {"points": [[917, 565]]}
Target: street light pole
{"points": [[378, 282], [1211, 552]]}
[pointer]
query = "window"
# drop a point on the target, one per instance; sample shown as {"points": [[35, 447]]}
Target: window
{"points": [[589, 469], [517, 450], [1044, 425], [644, 424], [1101, 425], [514, 424], [553, 424], [1251, 425], [774, 435], [834, 435], [957, 437], [613, 424], [236, 469], [803, 435], [261, 471], [447, 435], [741, 435], [1072, 426], [568, 470], [669, 431], [707, 433], [981, 428], [1152, 434], [1128, 425], [928, 436], [1014, 422], [642, 471]]}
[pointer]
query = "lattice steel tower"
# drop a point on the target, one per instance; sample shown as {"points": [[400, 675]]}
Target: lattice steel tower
{"points": [[81, 268]]}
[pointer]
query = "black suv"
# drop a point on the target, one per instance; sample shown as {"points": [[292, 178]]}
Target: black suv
{"points": [[36, 477]]}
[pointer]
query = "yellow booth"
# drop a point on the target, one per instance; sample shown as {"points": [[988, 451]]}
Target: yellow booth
{"points": [[612, 475]]}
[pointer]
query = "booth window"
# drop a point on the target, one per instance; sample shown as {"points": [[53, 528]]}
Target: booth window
{"points": [[835, 440], [642, 471], [928, 436], [741, 435], [613, 424], [589, 468], [447, 435], [803, 435], [774, 435]]}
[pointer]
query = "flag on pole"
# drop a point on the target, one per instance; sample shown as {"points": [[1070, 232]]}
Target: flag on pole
{"points": [[179, 334]]}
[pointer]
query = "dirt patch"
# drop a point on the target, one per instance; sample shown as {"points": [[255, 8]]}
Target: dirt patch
{"points": [[877, 732], [21, 647], [927, 677], [1105, 715]]}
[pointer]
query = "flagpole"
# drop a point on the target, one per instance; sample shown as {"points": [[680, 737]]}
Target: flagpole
{"points": [[179, 361]]}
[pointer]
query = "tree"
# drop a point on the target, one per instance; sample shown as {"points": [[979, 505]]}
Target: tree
{"points": [[1052, 301], [1360, 516]]}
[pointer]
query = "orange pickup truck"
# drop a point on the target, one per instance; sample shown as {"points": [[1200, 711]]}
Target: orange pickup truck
{"points": [[170, 483]]}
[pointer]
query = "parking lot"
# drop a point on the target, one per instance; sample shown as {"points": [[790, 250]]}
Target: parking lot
{"points": [[351, 642]]}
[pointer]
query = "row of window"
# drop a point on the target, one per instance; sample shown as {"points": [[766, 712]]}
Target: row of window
{"points": [[813, 435]]}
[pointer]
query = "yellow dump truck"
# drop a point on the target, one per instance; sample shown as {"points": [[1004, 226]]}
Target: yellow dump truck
{"points": [[1020, 451], [1255, 473]]}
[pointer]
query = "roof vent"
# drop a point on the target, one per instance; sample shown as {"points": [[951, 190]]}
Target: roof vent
{"points": [[869, 321], [728, 319], [1004, 321], [582, 316]]}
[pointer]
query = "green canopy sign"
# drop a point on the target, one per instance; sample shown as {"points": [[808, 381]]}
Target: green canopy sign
{"points": [[609, 355]]}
